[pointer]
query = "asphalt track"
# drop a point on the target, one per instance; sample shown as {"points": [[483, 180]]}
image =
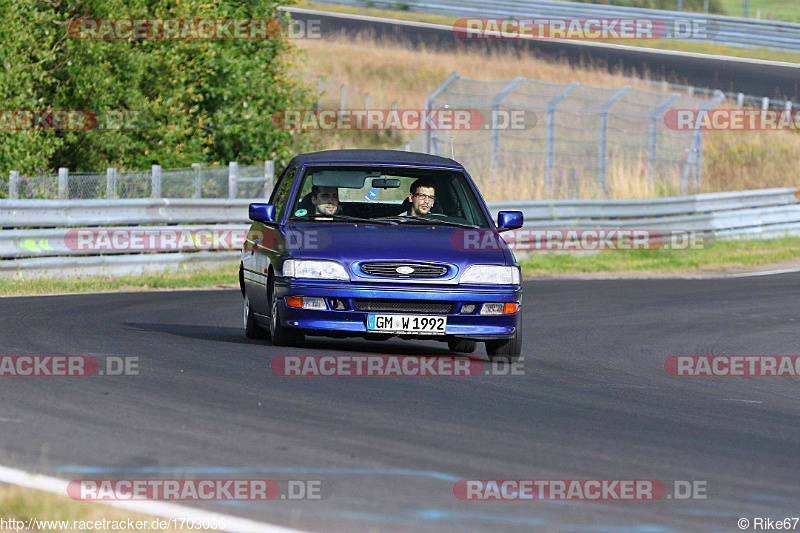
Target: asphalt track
{"points": [[594, 403], [759, 78]]}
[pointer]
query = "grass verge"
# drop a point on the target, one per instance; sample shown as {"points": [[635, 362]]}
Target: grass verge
{"points": [[723, 255], [25, 504], [212, 278]]}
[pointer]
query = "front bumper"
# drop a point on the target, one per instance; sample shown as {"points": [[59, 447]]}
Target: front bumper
{"points": [[350, 321]]}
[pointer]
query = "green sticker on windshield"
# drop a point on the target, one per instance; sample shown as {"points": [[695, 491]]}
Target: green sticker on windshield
{"points": [[300, 213]]}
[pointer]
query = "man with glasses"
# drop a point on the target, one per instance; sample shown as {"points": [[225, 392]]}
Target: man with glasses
{"points": [[421, 196]]}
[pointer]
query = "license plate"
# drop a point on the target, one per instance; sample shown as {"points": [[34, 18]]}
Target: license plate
{"points": [[429, 325]]}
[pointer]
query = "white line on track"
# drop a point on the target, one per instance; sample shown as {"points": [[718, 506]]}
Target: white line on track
{"points": [[709, 275], [58, 486], [765, 273], [186, 289]]}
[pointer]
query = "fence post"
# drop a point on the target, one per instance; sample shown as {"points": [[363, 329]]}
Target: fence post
{"points": [[233, 176], [156, 182], [111, 183], [652, 138], [269, 177], [429, 138], [366, 101], [319, 92], [63, 183], [695, 156], [602, 152], [394, 114], [198, 190], [343, 99], [494, 134], [549, 149], [13, 181], [789, 106], [740, 100]]}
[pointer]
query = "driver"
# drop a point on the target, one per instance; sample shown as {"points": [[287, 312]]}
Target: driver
{"points": [[325, 200], [422, 195]]}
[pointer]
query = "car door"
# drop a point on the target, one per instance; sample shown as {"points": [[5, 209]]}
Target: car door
{"points": [[262, 244]]}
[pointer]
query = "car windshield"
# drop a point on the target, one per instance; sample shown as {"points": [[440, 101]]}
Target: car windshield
{"points": [[388, 195]]}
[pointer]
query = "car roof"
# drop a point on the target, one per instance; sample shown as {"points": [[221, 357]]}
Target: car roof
{"points": [[373, 156]]}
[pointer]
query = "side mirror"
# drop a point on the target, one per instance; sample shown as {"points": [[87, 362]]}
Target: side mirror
{"points": [[507, 220], [262, 212]]}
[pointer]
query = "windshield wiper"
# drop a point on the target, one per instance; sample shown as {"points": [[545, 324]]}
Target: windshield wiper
{"points": [[428, 221], [347, 218]]}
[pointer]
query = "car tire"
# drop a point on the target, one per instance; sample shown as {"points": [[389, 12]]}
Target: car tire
{"points": [[462, 345], [281, 335], [251, 328], [505, 350]]}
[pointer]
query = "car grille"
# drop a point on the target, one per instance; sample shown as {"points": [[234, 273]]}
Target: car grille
{"points": [[404, 306], [389, 270]]}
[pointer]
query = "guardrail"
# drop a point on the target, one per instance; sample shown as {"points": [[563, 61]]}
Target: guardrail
{"points": [[73, 213], [723, 30], [51, 248]]}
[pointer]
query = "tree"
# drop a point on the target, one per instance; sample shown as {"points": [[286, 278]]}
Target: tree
{"points": [[182, 101]]}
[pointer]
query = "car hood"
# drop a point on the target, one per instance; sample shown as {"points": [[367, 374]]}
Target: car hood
{"points": [[350, 243]]}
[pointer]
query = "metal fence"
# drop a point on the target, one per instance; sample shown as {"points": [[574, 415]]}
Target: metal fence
{"points": [[196, 181], [334, 95], [741, 99], [576, 138], [723, 30]]}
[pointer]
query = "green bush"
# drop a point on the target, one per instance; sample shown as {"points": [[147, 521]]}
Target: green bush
{"points": [[205, 100]]}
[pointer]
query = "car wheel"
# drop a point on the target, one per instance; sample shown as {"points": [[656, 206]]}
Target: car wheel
{"points": [[462, 345], [251, 328], [505, 350], [281, 336]]}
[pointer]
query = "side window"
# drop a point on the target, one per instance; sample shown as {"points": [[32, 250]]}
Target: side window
{"points": [[281, 194]]}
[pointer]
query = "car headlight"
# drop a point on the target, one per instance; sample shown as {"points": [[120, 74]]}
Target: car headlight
{"points": [[306, 268], [492, 275]]}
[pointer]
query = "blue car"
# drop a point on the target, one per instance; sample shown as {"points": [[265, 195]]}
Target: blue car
{"points": [[379, 244]]}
